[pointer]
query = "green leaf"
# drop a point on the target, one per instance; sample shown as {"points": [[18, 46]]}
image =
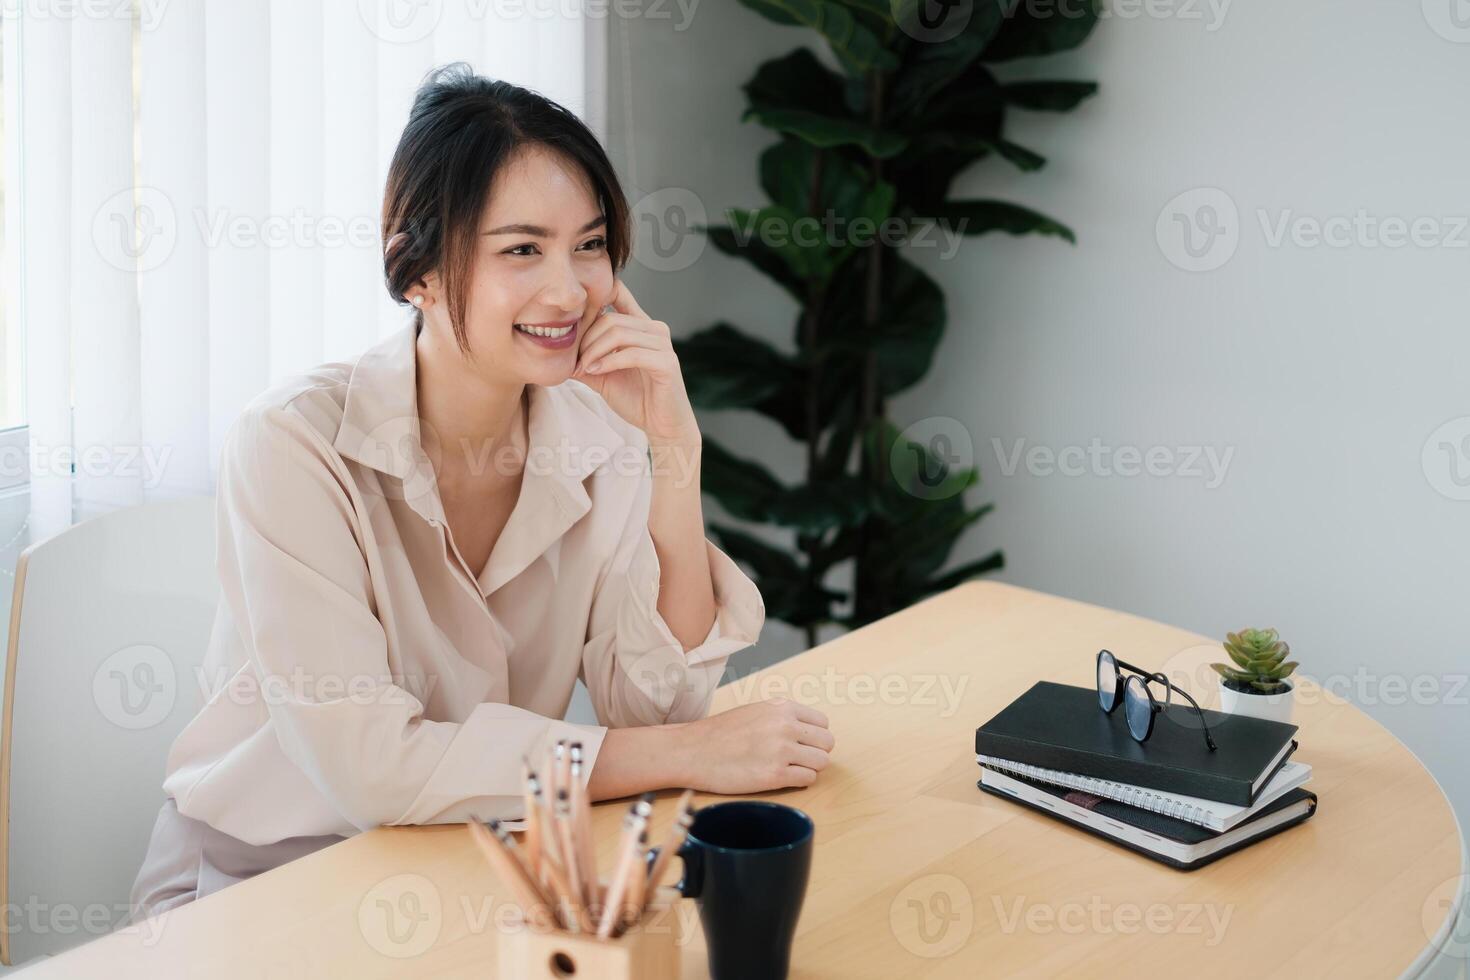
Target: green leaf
{"points": [[772, 12], [754, 251], [796, 80], [744, 488], [832, 387], [918, 521], [816, 508], [1242, 660], [974, 107], [813, 236], [853, 43], [979, 217], [915, 472], [910, 322], [1230, 673], [1021, 157], [1048, 96], [828, 131], [878, 8], [724, 368], [798, 95], [931, 65], [1035, 29], [990, 563], [761, 557], [812, 181], [783, 584]]}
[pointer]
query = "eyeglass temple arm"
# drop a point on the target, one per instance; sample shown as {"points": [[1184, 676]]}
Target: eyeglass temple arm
{"points": [[1209, 739]]}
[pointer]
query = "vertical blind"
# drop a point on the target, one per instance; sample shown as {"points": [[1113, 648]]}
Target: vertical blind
{"points": [[193, 191]]}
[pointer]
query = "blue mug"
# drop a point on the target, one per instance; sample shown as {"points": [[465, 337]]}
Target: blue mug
{"points": [[746, 864]]}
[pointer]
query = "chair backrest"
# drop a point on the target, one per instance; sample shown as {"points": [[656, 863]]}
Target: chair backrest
{"points": [[109, 625]]}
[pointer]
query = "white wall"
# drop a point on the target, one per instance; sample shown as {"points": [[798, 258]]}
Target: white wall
{"points": [[1321, 370]]}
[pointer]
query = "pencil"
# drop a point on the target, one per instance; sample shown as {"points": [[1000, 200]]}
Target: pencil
{"points": [[533, 821], [633, 825], [563, 890], [564, 831], [632, 909], [532, 902], [548, 779], [582, 825], [683, 820], [550, 846], [503, 837], [563, 766]]}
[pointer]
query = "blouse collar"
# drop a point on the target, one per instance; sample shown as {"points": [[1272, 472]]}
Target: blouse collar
{"points": [[569, 439]]}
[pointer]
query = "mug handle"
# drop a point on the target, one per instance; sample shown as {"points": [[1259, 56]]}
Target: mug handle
{"points": [[693, 881]]}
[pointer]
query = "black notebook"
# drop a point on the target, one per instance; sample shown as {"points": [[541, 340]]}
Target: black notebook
{"points": [[1176, 843], [1057, 726]]}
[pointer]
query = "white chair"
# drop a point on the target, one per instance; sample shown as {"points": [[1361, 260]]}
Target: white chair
{"points": [[110, 622]]}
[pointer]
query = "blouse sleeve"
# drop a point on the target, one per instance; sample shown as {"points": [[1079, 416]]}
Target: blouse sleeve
{"points": [[636, 670], [295, 575]]}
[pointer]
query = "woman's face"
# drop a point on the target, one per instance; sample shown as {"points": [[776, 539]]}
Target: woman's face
{"points": [[541, 272]]}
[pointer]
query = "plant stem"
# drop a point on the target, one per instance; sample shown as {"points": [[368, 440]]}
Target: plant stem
{"points": [[811, 316], [866, 600]]}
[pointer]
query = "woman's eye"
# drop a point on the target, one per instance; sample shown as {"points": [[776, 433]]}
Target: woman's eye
{"points": [[591, 246]]}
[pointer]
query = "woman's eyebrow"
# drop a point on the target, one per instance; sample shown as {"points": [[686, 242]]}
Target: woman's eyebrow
{"points": [[538, 231]]}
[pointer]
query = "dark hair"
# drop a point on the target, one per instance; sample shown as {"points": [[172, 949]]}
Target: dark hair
{"points": [[462, 129]]}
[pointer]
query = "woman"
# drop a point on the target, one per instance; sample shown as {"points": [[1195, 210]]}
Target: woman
{"points": [[420, 553]]}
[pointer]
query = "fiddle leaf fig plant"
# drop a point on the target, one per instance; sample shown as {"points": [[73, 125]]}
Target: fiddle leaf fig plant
{"points": [[1259, 662], [867, 148]]}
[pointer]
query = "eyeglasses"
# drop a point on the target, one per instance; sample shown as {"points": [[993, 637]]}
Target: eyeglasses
{"points": [[1139, 704]]}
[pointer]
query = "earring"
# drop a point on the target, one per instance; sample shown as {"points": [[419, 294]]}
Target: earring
{"points": [[418, 299]]}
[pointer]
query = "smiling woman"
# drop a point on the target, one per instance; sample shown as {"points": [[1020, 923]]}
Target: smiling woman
{"points": [[423, 551]]}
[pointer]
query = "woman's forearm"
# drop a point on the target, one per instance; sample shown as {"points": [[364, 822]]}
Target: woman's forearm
{"points": [[686, 596], [636, 760]]}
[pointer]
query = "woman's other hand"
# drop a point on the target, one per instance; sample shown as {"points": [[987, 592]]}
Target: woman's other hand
{"points": [[756, 747]]}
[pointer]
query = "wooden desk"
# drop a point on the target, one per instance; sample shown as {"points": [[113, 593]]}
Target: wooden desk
{"points": [[1359, 890]]}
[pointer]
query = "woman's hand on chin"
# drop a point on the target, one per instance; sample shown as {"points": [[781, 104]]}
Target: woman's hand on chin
{"points": [[629, 360]]}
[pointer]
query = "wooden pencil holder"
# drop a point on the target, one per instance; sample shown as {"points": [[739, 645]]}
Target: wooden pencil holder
{"points": [[650, 950]]}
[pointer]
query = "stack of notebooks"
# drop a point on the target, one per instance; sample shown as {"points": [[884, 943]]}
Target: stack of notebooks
{"points": [[1169, 798]]}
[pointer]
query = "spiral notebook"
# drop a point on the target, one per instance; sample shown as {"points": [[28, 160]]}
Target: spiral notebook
{"points": [[1180, 845], [1212, 815]]}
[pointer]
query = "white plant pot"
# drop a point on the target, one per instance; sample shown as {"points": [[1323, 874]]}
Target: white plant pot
{"points": [[1272, 707]]}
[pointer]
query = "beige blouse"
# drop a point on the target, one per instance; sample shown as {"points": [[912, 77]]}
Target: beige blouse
{"points": [[360, 673]]}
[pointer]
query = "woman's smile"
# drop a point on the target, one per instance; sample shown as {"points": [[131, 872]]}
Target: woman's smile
{"points": [[552, 335]]}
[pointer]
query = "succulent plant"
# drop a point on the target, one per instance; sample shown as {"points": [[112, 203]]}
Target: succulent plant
{"points": [[1260, 660]]}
